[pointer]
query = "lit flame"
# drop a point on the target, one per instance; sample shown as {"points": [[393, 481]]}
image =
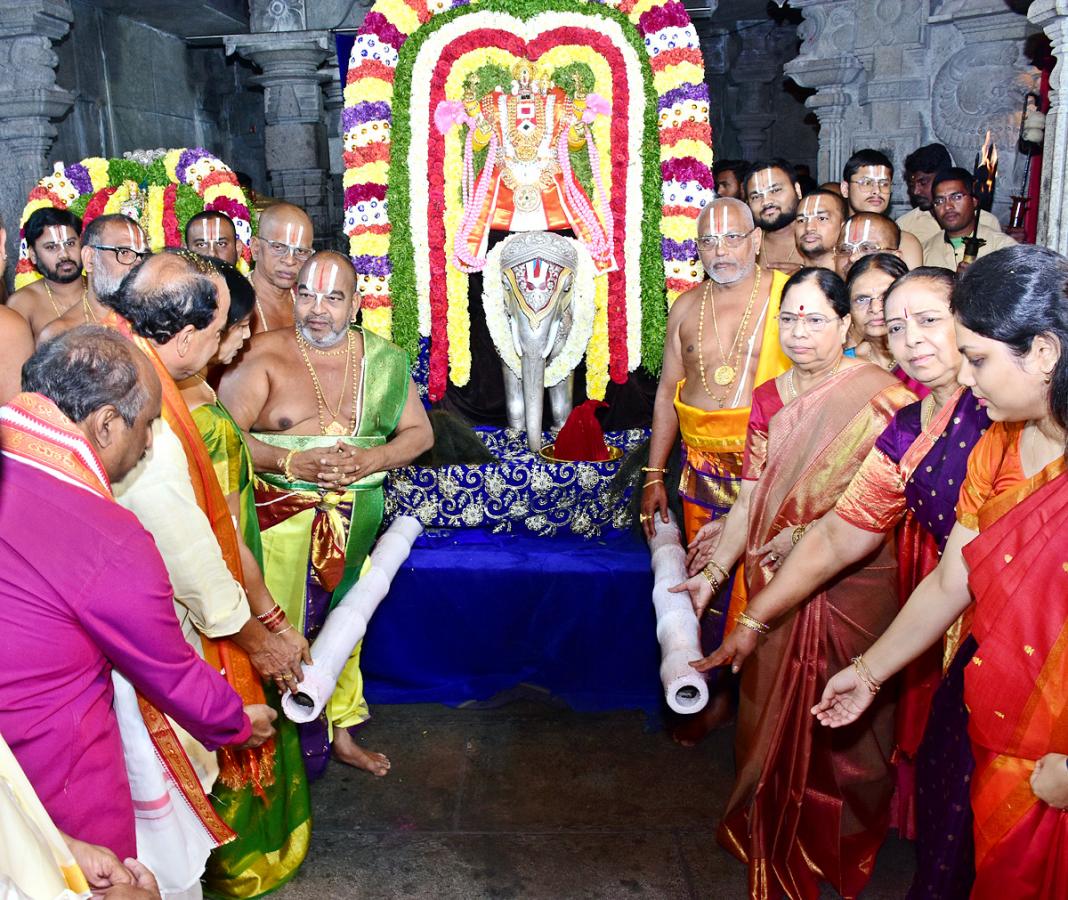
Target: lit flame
{"points": [[988, 159]]}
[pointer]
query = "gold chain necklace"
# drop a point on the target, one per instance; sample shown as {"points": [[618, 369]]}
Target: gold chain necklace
{"points": [[792, 389], [51, 299], [335, 427], [726, 373], [211, 390], [87, 309]]}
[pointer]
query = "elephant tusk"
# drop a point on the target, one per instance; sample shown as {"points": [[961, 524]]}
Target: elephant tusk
{"points": [[553, 331], [515, 337]]}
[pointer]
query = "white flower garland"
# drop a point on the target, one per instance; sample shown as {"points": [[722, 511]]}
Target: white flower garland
{"points": [[582, 312]]}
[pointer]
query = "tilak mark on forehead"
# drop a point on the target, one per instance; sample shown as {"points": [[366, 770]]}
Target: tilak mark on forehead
{"points": [[135, 237], [294, 234], [55, 233], [322, 277], [865, 231]]}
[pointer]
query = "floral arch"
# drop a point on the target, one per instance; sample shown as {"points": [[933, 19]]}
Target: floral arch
{"points": [[404, 193]]}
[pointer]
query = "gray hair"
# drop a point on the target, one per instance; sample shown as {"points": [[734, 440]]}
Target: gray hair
{"points": [[726, 203], [84, 369]]}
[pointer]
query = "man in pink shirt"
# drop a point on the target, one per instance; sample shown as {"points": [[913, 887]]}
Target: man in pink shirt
{"points": [[83, 589]]}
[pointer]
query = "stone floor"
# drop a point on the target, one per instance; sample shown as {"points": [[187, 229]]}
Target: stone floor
{"points": [[530, 800]]}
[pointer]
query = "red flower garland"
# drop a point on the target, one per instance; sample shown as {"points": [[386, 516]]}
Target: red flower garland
{"points": [[171, 235], [617, 309], [96, 204]]}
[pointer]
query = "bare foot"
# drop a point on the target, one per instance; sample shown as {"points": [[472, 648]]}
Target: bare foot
{"points": [[689, 731], [349, 752]]}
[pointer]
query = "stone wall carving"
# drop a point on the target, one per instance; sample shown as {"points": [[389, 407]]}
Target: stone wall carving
{"points": [[277, 15]]}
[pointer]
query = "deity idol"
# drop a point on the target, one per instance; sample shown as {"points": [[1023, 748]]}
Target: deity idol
{"points": [[527, 183]]}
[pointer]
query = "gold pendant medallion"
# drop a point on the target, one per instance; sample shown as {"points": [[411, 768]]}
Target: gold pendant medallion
{"points": [[335, 429], [724, 375]]}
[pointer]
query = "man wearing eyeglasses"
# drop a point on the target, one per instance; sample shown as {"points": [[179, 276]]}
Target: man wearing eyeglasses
{"points": [[867, 184], [772, 192], [862, 235], [54, 247], [282, 246], [954, 206], [722, 339], [112, 245], [921, 167]]}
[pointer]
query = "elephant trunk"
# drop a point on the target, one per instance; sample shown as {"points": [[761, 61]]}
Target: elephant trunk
{"points": [[533, 397]]}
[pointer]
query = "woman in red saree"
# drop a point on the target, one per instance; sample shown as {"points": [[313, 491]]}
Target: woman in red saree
{"points": [[808, 806], [1008, 550]]}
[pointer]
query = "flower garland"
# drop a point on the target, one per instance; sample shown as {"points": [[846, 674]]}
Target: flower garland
{"points": [[161, 189], [582, 315], [378, 125]]}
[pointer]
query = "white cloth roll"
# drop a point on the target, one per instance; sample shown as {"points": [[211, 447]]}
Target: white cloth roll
{"points": [[677, 629], [347, 622]]}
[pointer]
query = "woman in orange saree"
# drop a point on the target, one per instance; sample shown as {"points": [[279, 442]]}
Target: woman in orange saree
{"points": [[807, 806], [1012, 323]]}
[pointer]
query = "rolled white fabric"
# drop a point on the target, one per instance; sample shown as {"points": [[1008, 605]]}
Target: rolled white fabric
{"points": [[347, 622], [677, 629]]}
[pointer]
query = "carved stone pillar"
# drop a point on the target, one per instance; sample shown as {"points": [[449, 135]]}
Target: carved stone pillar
{"points": [[30, 102], [296, 152], [753, 71], [1052, 17], [827, 63], [333, 101]]}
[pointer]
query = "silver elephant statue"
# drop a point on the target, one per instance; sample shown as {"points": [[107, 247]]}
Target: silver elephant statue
{"points": [[537, 275]]}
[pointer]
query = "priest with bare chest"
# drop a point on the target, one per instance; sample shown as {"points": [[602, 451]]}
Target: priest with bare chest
{"points": [[327, 409]]}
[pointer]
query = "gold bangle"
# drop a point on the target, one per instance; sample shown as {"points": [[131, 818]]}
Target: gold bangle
{"points": [[285, 466], [864, 674], [751, 623], [715, 565], [654, 469], [799, 532], [651, 483], [711, 579]]}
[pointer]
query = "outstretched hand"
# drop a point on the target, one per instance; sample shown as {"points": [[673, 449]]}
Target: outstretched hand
{"points": [[703, 545], [777, 549], [844, 699], [700, 593], [734, 651]]}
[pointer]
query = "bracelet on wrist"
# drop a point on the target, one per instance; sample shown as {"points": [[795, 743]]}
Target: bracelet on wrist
{"points": [[648, 469], [864, 674], [288, 627], [715, 565], [286, 472], [752, 624], [652, 482], [272, 611], [711, 579], [799, 532]]}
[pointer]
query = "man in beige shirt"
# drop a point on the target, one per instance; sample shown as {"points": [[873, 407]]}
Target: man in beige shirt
{"points": [[921, 167], [955, 207]]}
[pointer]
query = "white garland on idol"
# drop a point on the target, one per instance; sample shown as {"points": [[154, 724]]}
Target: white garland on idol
{"points": [[677, 630], [582, 313], [421, 115]]}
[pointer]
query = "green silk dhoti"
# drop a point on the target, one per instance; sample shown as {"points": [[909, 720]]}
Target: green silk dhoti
{"points": [[316, 542]]}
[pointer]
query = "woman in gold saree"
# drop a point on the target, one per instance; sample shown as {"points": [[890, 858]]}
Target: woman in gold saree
{"points": [[807, 806], [1008, 552]]}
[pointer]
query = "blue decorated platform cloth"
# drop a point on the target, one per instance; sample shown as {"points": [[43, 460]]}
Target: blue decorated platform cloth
{"points": [[473, 613], [521, 493]]}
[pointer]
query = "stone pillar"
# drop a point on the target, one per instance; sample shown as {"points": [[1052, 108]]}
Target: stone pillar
{"points": [[297, 157], [753, 73], [30, 101], [827, 63], [333, 101], [1052, 17]]}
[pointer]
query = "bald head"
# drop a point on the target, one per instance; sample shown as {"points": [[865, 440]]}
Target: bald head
{"points": [[863, 234], [283, 244], [723, 210], [324, 310], [725, 240]]}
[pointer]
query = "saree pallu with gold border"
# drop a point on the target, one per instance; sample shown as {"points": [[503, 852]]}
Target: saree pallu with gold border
{"points": [[811, 804], [273, 829], [1016, 690], [316, 542]]}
